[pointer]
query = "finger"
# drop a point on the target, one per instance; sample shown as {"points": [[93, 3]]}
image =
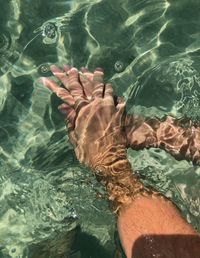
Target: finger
{"points": [[70, 115], [87, 84], [63, 94], [79, 104], [64, 108], [66, 68], [61, 75], [108, 93], [98, 91], [87, 73], [72, 138], [98, 74], [86, 78], [120, 100], [74, 85], [98, 83], [121, 113]]}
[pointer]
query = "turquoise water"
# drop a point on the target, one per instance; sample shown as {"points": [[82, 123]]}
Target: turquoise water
{"points": [[149, 50]]}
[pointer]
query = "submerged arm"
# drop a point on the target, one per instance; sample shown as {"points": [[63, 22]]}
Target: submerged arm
{"points": [[97, 132], [179, 138], [151, 226]]}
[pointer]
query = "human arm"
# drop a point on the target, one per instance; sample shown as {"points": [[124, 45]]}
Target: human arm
{"points": [[96, 128], [180, 138], [151, 226]]}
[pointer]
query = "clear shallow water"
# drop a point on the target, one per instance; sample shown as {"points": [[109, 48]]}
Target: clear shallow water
{"points": [[150, 52]]}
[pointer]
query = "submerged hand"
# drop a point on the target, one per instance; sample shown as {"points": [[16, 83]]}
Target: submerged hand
{"points": [[96, 125]]}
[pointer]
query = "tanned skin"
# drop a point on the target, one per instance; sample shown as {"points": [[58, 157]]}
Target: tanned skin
{"points": [[149, 225]]}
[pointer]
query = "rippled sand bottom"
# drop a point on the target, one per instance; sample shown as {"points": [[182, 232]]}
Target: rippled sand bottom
{"points": [[150, 52]]}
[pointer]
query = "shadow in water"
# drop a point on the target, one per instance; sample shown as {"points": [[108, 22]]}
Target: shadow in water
{"points": [[72, 244], [88, 246]]}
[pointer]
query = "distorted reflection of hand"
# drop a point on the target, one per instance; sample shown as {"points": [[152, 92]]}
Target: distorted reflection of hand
{"points": [[95, 124]]}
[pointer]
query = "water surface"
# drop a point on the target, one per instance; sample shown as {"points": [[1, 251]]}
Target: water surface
{"points": [[149, 50]]}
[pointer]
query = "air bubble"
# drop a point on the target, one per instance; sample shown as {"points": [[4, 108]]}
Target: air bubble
{"points": [[119, 66], [13, 250], [44, 69], [50, 31]]}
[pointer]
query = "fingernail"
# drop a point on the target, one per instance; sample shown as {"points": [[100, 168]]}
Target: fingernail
{"points": [[53, 67], [73, 70], [62, 110]]}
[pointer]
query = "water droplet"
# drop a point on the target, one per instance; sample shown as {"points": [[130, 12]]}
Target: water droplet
{"points": [[5, 41], [119, 66], [49, 31]]}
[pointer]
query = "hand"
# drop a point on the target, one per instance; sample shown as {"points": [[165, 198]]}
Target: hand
{"points": [[96, 126], [95, 123]]}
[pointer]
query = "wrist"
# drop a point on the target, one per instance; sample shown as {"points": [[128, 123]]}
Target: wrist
{"points": [[121, 184]]}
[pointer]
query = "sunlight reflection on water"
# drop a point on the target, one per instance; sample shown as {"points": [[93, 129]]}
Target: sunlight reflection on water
{"points": [[149, 51]]}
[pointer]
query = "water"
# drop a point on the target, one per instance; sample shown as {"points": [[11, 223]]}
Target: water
{"points": [[150, 52]]}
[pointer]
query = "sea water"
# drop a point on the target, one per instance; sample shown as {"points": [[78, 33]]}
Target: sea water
{"points": [[50, 205]]}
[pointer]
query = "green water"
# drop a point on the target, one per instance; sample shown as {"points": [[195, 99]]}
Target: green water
{"points": [[150, 51]]}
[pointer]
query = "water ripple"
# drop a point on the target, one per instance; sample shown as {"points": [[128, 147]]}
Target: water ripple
{"points": [[150, 52]]}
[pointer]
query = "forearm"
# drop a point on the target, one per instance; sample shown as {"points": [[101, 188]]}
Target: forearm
{"points": [[151, 226], [97, 131], [177, 137], [147, 222]]}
